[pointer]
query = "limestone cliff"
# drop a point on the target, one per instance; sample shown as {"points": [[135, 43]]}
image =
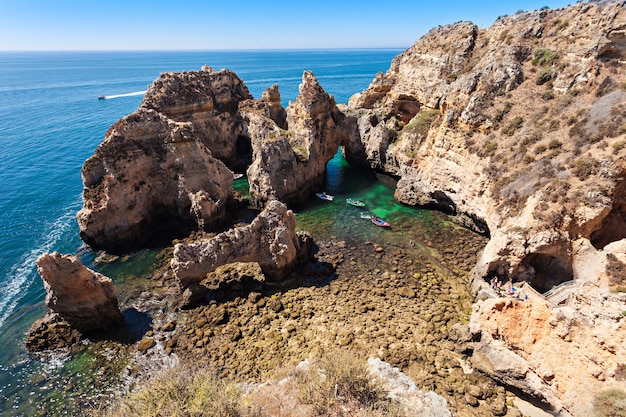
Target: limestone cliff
{"points": [[81, 301], [519, 130], [150, 178], [516, 126], [289, 165]]}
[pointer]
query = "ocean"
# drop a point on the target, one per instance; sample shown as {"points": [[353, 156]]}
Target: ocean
{"points": [[51, 122]]}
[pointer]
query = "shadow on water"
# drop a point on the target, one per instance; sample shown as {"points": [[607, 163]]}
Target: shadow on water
{"points": [[136, 325]]}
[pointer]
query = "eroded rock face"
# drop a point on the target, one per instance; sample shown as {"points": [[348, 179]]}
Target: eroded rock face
{"points": [[289, 165], [83, 299], [209, 101], [483, 123], [562, 357], [514, 128], [150, 179], [270, 240]]}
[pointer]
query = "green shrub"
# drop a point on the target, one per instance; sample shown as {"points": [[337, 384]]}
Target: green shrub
{"points": [[610, 403], [547, 95], [500, 113], [544, 57], [554, 144], [618, 146], [489, 148], [515, 124], [545, 75], [584, 167], [539, 149]]}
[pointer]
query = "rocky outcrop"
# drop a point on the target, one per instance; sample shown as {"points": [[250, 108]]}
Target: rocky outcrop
{"points": [[81, 301], [289, 165], [270, 240], [561, 357], [209, 101], [517, 129], [151, 179], [483, 123]]}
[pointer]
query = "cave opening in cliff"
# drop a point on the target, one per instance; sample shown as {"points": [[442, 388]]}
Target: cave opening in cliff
{"points": [[613, 226], [549, 271], [243, 148]]}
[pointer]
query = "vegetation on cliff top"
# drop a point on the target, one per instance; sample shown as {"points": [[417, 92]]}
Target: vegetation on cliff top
{"points": [[335, 384]]}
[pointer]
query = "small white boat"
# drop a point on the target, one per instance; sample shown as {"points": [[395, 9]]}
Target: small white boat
{"points": [[325, 196], [237, 176]]}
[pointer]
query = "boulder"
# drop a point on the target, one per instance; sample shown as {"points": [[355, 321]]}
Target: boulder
{"points": [[51, 332], [270, 240]]}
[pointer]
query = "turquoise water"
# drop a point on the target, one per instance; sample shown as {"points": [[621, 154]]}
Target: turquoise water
{"points": [[52, 121]]}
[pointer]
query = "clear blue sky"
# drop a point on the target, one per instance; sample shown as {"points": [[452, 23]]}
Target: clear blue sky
{"points": [[208, 24]]}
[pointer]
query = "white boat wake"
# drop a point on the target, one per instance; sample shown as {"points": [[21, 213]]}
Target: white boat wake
{"points": [[22, 272], [134, 93]]}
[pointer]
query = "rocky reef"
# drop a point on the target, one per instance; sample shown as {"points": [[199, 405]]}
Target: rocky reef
{"points": [[81, 301]]}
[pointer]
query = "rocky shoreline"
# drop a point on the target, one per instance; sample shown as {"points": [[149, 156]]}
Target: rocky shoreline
{"points": [[516, 130]]}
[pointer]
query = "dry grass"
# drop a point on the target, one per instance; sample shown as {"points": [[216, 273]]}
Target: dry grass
{"points": [[610, 403], [334, 385]]}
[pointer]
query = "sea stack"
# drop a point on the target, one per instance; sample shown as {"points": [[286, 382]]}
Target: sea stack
{"points": [[80, 299]]}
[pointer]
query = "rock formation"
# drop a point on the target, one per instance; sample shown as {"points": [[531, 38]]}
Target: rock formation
{"points": [[289, 165], [518, 129], [150, 178], [562, 357], [270, 240], [81, 301], [209, 101], [510, 127]]}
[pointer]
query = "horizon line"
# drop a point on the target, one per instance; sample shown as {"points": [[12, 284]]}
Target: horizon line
{"points": [[214, 50]]}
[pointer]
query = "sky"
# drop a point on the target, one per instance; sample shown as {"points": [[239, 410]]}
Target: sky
{"points": [[215, 25]]}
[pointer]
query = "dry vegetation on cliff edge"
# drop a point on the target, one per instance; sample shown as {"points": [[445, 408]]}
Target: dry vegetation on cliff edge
{"points": [[334, 385]]}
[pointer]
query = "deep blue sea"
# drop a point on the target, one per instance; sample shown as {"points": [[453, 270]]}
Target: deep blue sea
{"points": [[51, 120]]}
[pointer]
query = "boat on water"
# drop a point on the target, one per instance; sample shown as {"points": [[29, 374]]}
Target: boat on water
{"points": [[355, 203], [365, 215], [237, 176], [101, 97], [325, 196], [379, 222]]}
